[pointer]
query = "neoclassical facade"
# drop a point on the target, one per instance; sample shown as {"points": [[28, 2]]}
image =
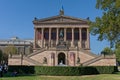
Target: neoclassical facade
{"points": [[62, 41], [74, 31]]}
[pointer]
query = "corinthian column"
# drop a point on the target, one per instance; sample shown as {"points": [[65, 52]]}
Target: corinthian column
{"points": [[72, 42], [80, 38], [42, 41], [88, 39], [35, 37], [49, 37], [57, 38], [64, 34]]}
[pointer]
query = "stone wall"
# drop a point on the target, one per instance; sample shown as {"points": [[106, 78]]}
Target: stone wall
{"points": [[14, 61]]}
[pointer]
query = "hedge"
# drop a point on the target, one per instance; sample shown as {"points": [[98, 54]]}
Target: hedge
{"points": [[22, 69], [63, 70], [59, 71]]}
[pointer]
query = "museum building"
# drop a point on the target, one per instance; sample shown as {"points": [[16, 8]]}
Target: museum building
{"points": [[62, 41]]}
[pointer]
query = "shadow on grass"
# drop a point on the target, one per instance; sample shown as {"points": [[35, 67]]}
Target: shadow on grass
{"points": [[117, 73], [9, 74]]}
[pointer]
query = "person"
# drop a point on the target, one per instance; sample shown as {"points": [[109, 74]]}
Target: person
{"points": [[14, 73], [1, 71], [5, 68]]}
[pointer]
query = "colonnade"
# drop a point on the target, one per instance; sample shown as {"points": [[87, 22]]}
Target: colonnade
{"points": [[39, 35]]}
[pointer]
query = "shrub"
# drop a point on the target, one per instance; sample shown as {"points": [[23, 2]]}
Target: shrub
{"points": [[106, 69], [63, 70]]}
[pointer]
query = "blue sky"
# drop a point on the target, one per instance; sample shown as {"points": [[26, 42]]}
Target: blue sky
{"points": [[16, 16]]}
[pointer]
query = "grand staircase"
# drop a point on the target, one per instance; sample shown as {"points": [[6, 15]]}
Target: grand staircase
{"points": [[92, 60], [44, 49], [36, 52], [32, 61]]}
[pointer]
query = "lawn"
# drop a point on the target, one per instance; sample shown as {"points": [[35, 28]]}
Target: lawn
{"points": [[87, 77]]}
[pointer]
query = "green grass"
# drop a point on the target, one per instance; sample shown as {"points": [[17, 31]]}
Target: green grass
{"points": [[86, 77]]}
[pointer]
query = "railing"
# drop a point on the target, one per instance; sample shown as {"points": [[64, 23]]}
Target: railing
{"points": [[53, 43], [76, 43], [50, 44]]}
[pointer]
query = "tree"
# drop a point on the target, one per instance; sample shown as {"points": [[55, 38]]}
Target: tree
{"points": [[107, 51], [117, 51], [1, 55], [108, 26], [10, 50]]}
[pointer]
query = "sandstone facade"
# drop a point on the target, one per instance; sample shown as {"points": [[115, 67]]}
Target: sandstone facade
{"points": [[62, 41]]}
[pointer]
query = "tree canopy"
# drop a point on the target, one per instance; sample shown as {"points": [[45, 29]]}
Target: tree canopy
{"points": [[10, 49], [107, 51], [3, 57], [108, 26], [117, 51]]}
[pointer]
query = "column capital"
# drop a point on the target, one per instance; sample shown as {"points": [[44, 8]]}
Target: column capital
{"points": [[36, 28], [49, 28]]}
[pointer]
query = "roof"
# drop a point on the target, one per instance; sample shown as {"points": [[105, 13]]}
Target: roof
{"points": [[60, 19]]}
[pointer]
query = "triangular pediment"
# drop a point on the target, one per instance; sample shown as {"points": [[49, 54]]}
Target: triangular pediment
{"points": [[60, 19]]}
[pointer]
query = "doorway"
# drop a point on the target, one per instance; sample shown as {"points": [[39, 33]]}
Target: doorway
{"points": [[61, 58]]}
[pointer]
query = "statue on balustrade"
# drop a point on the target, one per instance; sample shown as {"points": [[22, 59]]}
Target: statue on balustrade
{"points": [[61, 44], [61, 34], [45, 60]]}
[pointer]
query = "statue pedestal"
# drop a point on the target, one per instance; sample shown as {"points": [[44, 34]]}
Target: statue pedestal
{"points": [[61, 45]]}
